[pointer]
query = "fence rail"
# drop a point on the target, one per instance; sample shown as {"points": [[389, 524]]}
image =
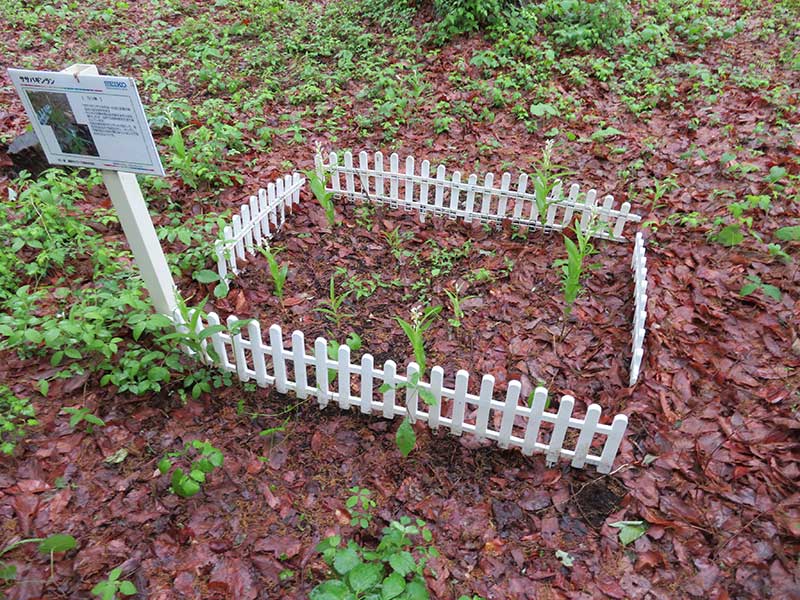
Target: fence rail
{"points": [[454, 197], [339, 381], [639, 266]]}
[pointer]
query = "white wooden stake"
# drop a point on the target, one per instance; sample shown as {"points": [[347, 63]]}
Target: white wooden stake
{"points": [[141, 235]]}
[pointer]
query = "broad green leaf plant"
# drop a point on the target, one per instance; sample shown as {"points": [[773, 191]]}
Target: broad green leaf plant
{"points": [[395, 569], [188, 483], [112, 585]]}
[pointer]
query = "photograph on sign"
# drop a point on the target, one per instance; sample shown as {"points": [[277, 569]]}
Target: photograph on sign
{"points": [[53, 110], [88, 120]]}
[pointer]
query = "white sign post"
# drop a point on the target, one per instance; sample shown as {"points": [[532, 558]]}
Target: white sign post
{"points": [[83, 119]]}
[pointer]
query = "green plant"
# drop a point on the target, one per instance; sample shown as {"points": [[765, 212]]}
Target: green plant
{"points": [[789, 234], [360, 288], [455, 303], [331, 308], [662, 187], [42, 231], [208, 276], [277, 271], [546, 178], [756, 284], [573, 267], [421, 321], [395, 238], [187, 484], [317, 183], [59, 542], [15, 414], [83, 415], [364, 214], [360, 504], [111, 586], [198, 164], [189, 335], [394, 569], [480, 275], [573, 23], [353, 342]]}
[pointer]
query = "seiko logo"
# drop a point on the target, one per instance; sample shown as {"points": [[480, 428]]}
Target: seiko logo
{"points": [[116, 85]]}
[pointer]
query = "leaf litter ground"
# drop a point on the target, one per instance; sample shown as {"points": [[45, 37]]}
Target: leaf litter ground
{"points": [[710, 460]]}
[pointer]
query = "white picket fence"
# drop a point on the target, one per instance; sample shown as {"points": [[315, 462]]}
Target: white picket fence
{"points": [[256, 222], [506, 422], [639, 266], [452, 196], [530, 428]]}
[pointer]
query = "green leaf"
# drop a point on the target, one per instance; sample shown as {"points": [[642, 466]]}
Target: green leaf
{"points": [[197, 475], [60, 542], [211, 330], [392, 586], [103, 589], [187, 487], [33, 336], [726, 158], [127, 588], [346, 560], [730, 236], [405, 438], [789, 234], [630, 531], [221, 290], [164, 465], [543, 109], [157, 374], [138, 329], [329, 542], [73, 353], [206, 276], [364, 577], [90, 418], [748, 289], [76, 417], [385, 388], [776, 173], [771, 291], [331, 590], [8, 572], [602, 134], [427, 397], [44, 387], [216, 458], [402, 562], [114, 574], [416, 590]]}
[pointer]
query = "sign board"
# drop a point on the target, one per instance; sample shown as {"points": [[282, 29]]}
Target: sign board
{"points": [[86, 120]]}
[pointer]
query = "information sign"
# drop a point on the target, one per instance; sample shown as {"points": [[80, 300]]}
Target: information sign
{"points": [[87, 120]]}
